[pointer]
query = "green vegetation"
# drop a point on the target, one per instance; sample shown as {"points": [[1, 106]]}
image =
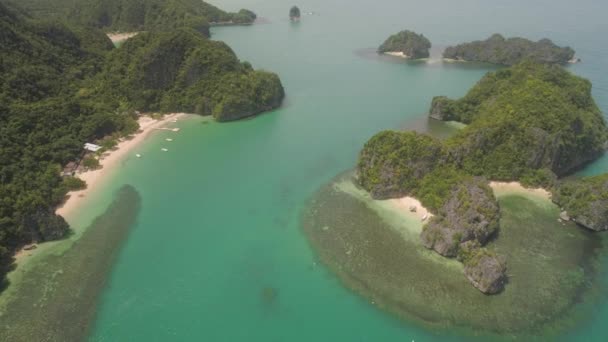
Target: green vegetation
{"points": [[524, 122], [396, 164], [530, 123], [392, 164], [411, 44], [498, 50], [294, 13], [63, 85], [585, 200], [43, 122], [137, 15], [181, 71]]}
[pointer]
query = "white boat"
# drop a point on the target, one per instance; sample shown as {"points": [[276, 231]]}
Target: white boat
{"points": [[169, 139], [425, 217], [164, 149], [138, 155]]}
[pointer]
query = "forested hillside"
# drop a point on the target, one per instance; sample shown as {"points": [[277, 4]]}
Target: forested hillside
{"points": [[65, 84], [136, 15], [509, 51], [183, 71], [43, 121]]}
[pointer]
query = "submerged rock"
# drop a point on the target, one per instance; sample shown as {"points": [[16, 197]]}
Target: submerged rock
{"points": [[269, 295]]}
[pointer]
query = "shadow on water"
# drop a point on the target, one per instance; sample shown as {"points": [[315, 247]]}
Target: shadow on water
{"points": [[60, 292], [552, 267]]}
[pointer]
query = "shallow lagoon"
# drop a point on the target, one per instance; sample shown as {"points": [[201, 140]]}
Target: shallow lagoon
{"points": [[550, 264]]}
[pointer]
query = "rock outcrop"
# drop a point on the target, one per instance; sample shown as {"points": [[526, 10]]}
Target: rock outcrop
{"points": [[412, 45], [483, 268], [470, 214], [586, 201], [498, 50], [441, 108]]}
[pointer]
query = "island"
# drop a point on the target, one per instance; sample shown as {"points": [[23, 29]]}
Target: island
{"points": [[503, 51], [511, 135], [96, 93], [406, 44], [294, 13]]}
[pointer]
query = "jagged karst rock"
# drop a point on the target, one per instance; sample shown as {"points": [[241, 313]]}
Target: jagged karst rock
{"points": [[483, 268], [441, 108], [585, 200], [470, 214]]}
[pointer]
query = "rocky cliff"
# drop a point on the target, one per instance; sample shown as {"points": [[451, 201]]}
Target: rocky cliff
{"points": [[585, 201]]}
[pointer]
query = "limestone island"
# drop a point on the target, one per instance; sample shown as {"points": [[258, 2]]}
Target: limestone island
{"points": [[512, 135], [510, 51], [422, 219], [294, 14], [406, 44]]}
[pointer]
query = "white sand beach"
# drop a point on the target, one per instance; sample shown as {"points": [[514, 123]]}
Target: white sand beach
{"points": [[405, 203], [516, 187], [112, 159], [397, 54], [122, 36]]}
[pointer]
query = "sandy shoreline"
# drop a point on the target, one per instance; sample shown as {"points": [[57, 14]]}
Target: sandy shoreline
{"points": [[397, 54], [405, 203], [517, 187], [119, 37], [111, 160]]}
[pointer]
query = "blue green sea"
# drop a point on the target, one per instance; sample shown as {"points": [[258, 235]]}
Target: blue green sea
{"points": [[216, 251]]}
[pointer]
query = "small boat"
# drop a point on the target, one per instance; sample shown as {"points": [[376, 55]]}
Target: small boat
{"points": [[164, 149], [425, 217], [169, 139], [30, 247], [138, 155]]}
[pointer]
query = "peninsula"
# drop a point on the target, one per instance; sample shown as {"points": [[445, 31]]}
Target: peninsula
{"points": [[509, 51], [406, 44]]}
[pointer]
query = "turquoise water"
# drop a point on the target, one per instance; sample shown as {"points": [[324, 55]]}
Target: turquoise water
{"points": [[219, 219]]}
